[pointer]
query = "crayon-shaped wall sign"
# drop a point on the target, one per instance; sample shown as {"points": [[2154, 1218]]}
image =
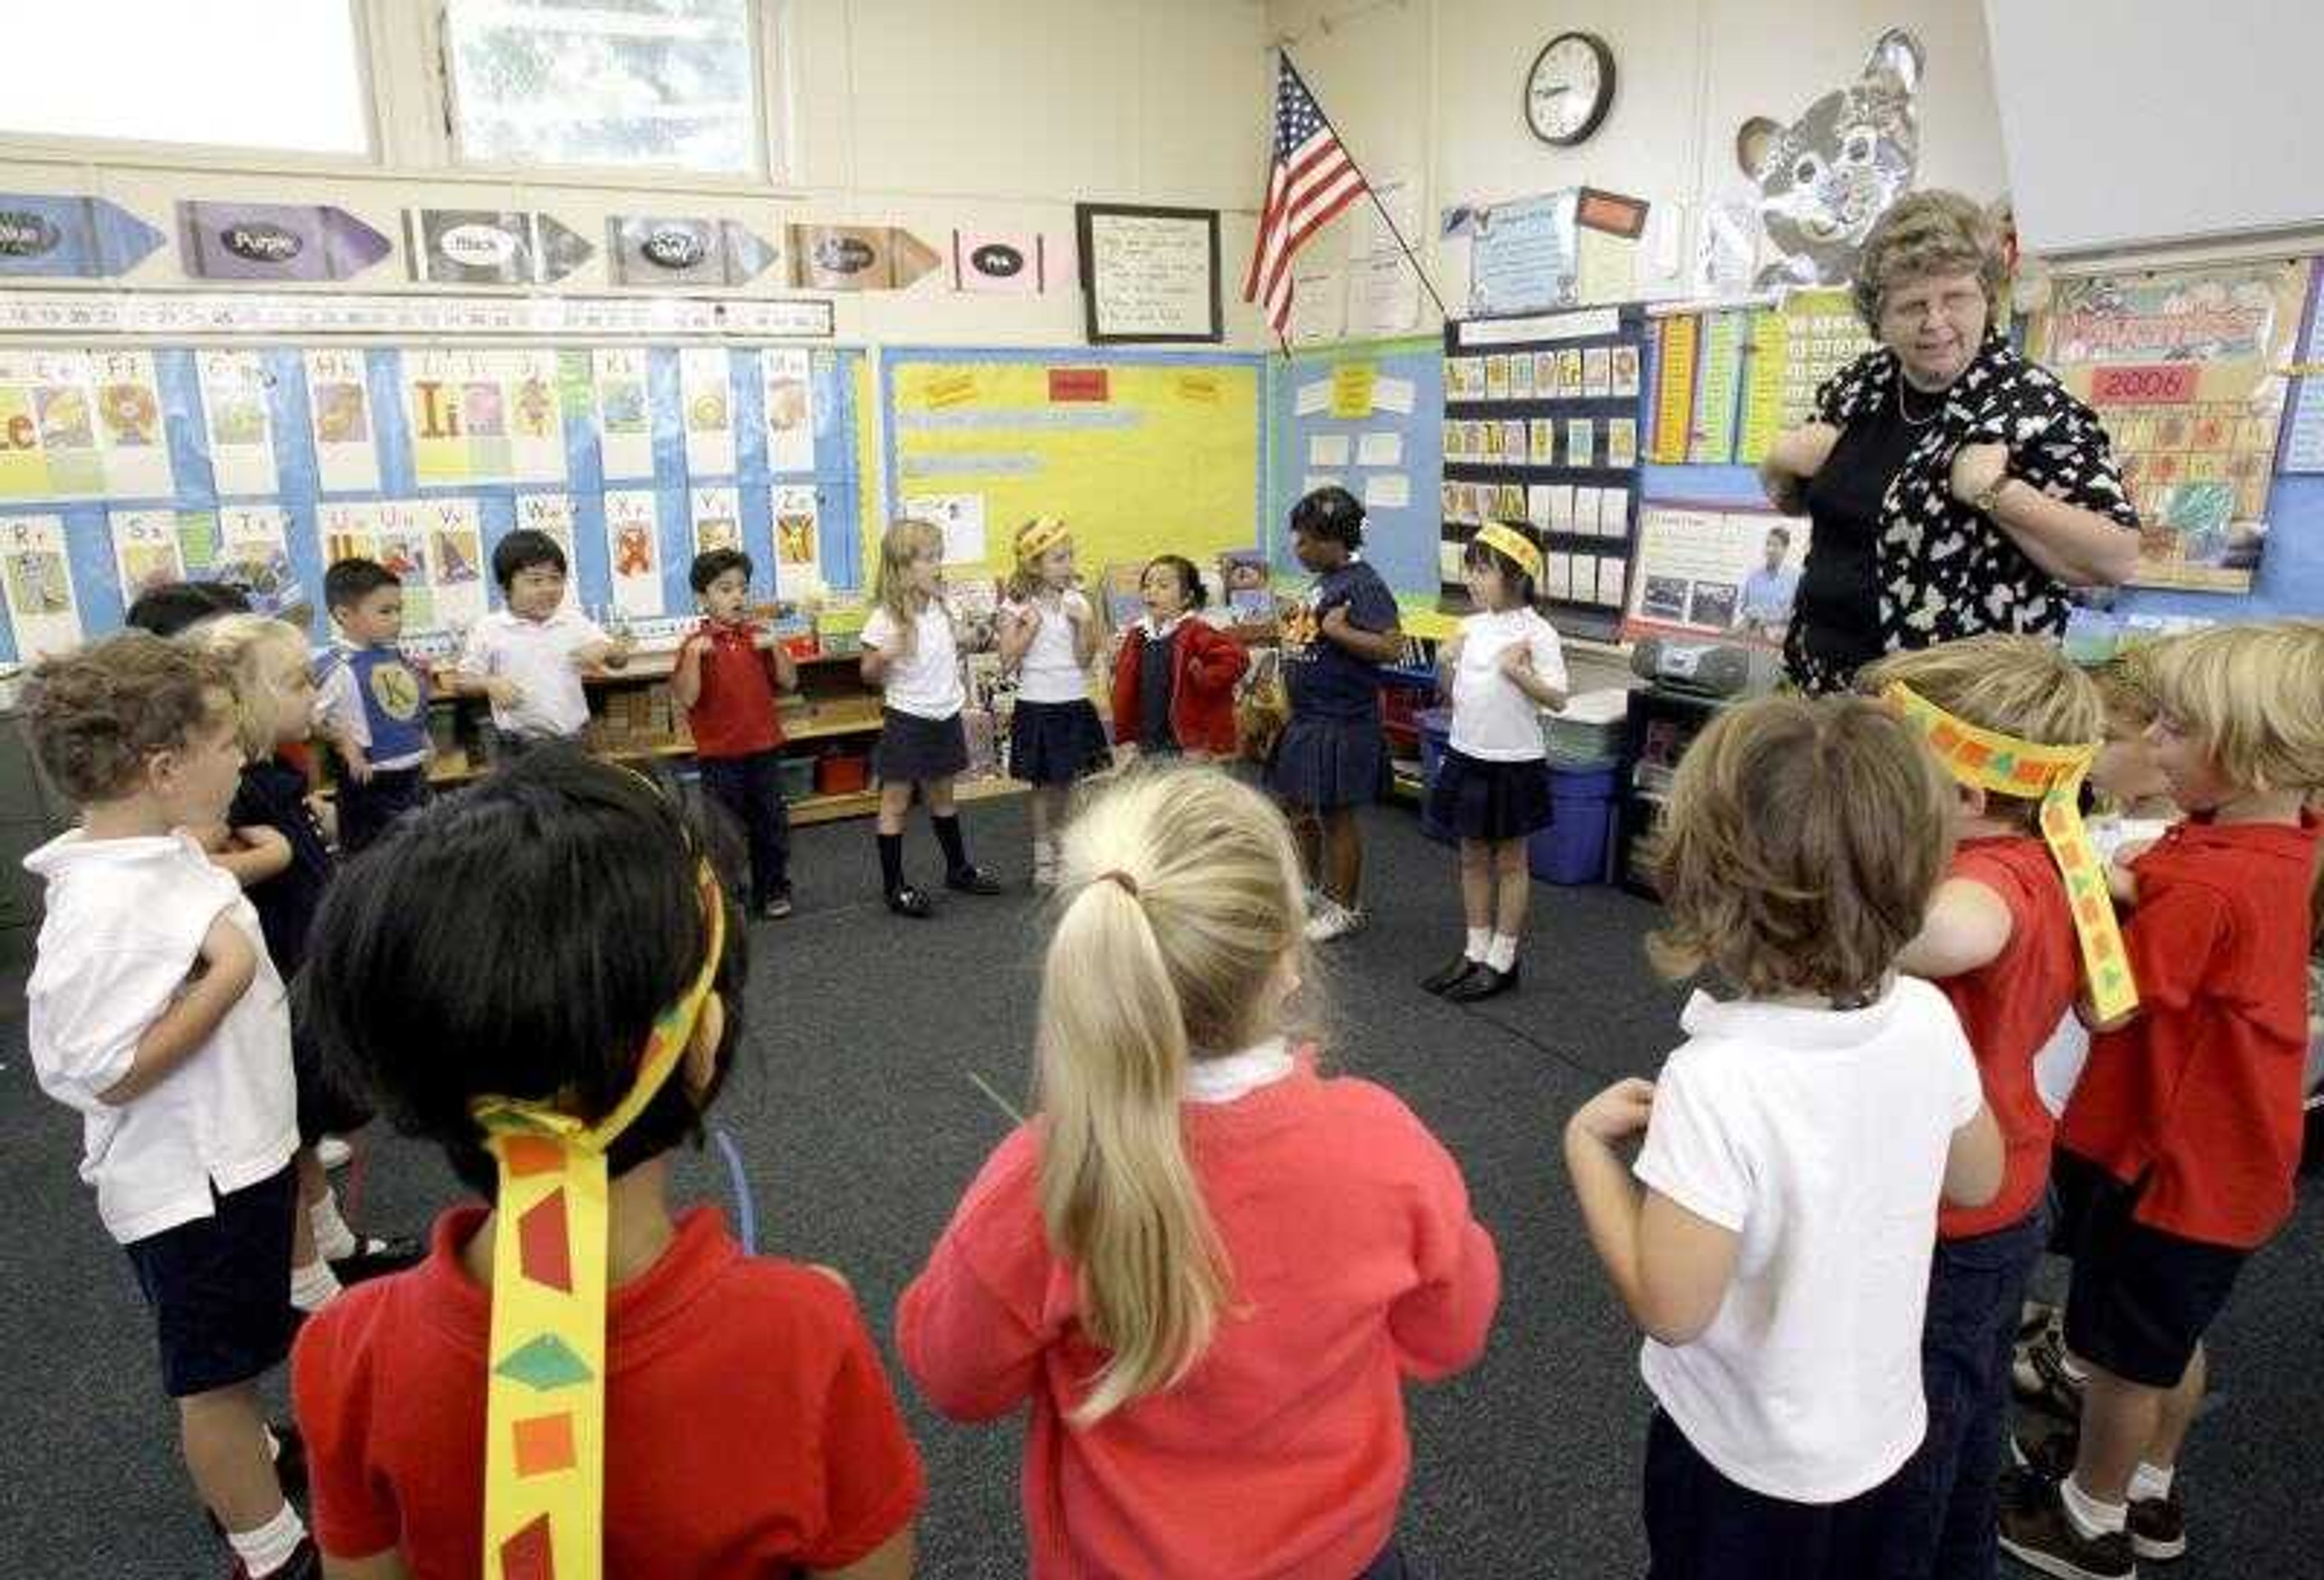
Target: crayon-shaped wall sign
{"points": [[276, 241]]}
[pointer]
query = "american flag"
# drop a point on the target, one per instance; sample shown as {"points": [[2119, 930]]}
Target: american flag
{"points": [[1313, 178]]}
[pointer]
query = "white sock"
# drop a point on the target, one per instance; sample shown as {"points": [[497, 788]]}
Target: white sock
{"points": [[1502, 953], [271, 1545], [1480, 939], [333, 1238], [2087, 1514], [2150, 1482], [313, 1286]]}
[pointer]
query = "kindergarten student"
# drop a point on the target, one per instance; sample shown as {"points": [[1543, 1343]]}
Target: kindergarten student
{"points": [[1205, 1270], [1774, 1242], [1492, 789], [373, 703], [2000, 941], [527, 658], [1333, 755], [1048, 635], [2134, 803], [1173, 678], [153, 1012], [728, 671], [910, 651], [277, 853], [744, 1425], [2178, 1149], [169, 607]]}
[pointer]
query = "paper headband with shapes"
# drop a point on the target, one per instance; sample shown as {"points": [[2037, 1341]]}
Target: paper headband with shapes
{"points": [[1038, 537], [1513, 543], [1986, 759]]}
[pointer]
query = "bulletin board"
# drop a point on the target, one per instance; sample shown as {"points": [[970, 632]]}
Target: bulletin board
{"points": [[1140, 452], [1364, 414], [124, 464]]}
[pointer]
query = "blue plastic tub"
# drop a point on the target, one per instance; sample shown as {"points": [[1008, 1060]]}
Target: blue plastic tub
{"points": [[1572, 848], [1435, 734]]}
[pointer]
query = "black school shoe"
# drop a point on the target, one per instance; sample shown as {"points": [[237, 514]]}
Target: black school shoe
{"points": [[971, 879], [1453, 971], [1482, 983], [376, 1256], [2039, 1533], [909, 901]]}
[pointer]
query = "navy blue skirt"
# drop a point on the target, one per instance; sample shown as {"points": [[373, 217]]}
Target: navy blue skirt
{"points": [[1326, 764], [912, 748], [1056, 743], [1479, 799]]}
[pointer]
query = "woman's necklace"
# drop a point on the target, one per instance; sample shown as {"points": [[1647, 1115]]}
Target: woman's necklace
{"points": [[1905, 411]]}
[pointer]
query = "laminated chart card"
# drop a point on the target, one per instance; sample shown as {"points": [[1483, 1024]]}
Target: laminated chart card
{"points": [[436, 546], [1673, 416], [633, 550], [1763, 388], [485, 416], [1718, 387], [78, 425], [706, 390], [799, 553], [41, 609], [790, 408], [247, 544], [717, 517], [236, 417], [624, 412], [338, 403], [553, 514]]}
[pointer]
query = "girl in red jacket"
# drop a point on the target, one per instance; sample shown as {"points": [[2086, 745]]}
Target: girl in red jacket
{"points": [[1204, 1269], [1174, 679]]}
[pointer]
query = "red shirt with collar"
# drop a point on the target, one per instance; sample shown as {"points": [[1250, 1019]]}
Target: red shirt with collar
{"points": [[2008, 1007], [734, 716], [1204, 664], [2201, 1093], [749, 1429]]}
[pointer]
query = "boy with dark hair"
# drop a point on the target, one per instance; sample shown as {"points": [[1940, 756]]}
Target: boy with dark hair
{"points": [[169, 608], [529, 657], [375, 705], [728, 670], [154, 1013]]}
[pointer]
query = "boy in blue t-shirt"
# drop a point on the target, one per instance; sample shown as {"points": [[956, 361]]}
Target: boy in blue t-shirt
{"points": [[373, 703]]}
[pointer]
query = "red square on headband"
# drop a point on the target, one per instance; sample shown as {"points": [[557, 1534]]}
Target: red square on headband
{"points": [[531, 1155], [544, 1445]]}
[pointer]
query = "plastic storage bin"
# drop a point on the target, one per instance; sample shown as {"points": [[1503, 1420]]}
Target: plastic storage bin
{"points": [[1435, 725], [1572, 848], [842, 773], [798, 778]]}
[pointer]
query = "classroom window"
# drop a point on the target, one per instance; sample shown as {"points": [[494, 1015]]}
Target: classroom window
{"points": [[617, 83], [174, 71]]}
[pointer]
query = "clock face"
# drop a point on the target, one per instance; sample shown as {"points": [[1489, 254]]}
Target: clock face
{"points": [[1569, 89]]}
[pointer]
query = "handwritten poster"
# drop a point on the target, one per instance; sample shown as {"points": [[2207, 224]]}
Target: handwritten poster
{"points": [[81, 425], [633, 550], [1150, 274], [1763, 388], [234, 414], [436, 546], [1673, 392], [717, 517], [2181, 367], [790, 409], [485, 416], [41, 609], [624, 411], [707, 393], [338, 405], [1821, 335], [1523, 256], [799, 553]]}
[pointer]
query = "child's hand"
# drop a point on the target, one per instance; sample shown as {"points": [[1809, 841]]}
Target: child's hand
{"points": [[1516, 659], [1618, 1111], [358, 766], [623, 645], [1076, 607], [505, 692]]}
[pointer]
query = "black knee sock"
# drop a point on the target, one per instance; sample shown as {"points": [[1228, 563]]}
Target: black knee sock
{"points": [[891, 862], [955, 849]]}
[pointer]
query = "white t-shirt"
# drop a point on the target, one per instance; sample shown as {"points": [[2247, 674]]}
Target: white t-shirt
{"points": [[1050, 672], [538, 656], [926, 683], [1819, 1138], [124, 925], [1492, 721]]}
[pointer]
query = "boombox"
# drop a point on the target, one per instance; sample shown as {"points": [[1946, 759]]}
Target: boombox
{"points": [[1706, 668]]}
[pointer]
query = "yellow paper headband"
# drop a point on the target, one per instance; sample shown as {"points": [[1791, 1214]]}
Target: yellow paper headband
{"points": [[1986, 759], [1514, 544], [545, 1396], [1038, 536]]}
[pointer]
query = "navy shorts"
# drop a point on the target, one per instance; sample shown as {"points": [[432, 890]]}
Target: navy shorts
{"points": [[2140, 1298], [220, 1288]]}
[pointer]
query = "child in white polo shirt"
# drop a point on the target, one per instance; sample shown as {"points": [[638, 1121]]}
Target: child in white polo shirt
{"points": [[154, 1013], [527, 658]]}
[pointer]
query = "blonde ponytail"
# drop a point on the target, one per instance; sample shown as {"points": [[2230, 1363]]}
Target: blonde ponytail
{"points": [[1184, 906]]}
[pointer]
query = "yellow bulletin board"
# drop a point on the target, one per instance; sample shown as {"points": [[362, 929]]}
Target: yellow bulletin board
{"points": [[1140, 455]]}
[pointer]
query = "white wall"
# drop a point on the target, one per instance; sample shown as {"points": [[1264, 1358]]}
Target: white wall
{"points": [[1433, 87], [928, 114]]}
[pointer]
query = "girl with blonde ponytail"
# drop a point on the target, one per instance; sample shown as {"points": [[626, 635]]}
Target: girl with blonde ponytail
{"points": [[1204, 1266]]}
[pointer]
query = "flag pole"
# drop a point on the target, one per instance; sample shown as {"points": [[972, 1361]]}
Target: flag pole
{"points": [[1386, 218]]}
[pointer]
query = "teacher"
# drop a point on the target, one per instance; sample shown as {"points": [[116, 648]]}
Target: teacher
{"points": [[1954, 487]]}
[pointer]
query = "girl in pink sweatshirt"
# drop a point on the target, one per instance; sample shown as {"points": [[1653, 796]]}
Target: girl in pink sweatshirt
{"points": [[1205, 1268]]}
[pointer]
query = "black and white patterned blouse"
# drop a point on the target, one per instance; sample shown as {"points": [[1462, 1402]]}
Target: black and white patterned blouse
{"points": [[1943, 569]]}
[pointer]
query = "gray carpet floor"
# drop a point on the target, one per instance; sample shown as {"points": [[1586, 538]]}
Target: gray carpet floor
{"points": [[860, 1111]]}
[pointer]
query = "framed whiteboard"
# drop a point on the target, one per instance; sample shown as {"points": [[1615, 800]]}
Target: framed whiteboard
{"points": [[1150, 275]]}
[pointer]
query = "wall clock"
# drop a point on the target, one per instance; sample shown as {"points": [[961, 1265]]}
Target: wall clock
{"points": [[1569, 89]]}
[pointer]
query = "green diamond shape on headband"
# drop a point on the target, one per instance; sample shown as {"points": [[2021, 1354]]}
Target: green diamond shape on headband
{"points": [[546, 1363], [2004, 763]]}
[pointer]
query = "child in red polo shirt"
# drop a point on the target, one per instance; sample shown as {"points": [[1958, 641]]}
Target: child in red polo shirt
{"points": [[1205, 1270], [748, 1429], [2178, 1151], [1999, 943], [727, 673]]}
